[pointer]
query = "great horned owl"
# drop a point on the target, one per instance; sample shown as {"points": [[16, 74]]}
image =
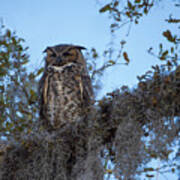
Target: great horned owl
{"points": [[65, 87]]}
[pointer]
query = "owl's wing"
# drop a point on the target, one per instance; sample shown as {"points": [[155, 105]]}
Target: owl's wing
{"points": [[88, 95], [43, 88], [83, 82]]}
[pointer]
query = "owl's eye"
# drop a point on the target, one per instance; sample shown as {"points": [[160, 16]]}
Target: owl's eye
{"points": [[53, 55], [66, 54]]}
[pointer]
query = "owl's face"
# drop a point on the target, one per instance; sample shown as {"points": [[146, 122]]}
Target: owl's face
{"points": [[63, 54]]}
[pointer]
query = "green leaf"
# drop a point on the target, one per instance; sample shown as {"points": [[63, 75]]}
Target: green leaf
{"points": [[137, 1], [125, 55], [169, 36], [116, 3], [153, 155], [112, 62], [94, 53], [128, 14], [31, 76], [39, 71], [164, 54], [173, 170], [148, 169], [130, 6], [32, 92], [149, 176], [105, 8], [8, 33], [90, 68], [114, 25], [9, 125], [145, 10], [172, 50], [2, 87]]}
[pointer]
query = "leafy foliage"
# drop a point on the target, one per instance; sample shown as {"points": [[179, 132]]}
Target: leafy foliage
{"points": [[18, 87], [131, 13]]}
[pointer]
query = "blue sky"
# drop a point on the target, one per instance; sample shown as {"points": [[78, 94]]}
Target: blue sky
{"points": [[50, 22], [45, 23]]}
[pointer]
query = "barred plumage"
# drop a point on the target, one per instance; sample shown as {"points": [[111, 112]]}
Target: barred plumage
{"points": [[65, 87]]}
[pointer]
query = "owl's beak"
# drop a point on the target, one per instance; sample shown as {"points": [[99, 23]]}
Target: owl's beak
{"points": [[80, 47], [58, 61]]}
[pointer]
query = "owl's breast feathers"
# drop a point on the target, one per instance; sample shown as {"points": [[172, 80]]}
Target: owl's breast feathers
{"points": [[68, 73], [64, 89]]}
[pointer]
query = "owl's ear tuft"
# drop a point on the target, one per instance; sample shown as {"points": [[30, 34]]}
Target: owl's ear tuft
{"points": [[50, 52], [48, 48], [80, 47]]}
